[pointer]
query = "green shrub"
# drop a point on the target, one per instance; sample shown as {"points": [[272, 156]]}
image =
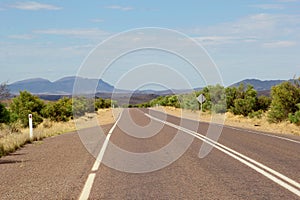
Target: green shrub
{"points": [[82, 105], [263, 103], [256, 114], [59, 111], [104, 103], [295, 117], [246, 102], [285, 97], [231, 95], [26, 104], [244, 106], [188, 101], [219, 108], [4, 114]]}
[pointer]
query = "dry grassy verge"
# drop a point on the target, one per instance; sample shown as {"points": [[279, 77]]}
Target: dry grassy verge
{"points": [[237, 121], [10, 142]]}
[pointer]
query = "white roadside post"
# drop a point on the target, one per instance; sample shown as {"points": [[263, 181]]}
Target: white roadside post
{"points": [[30, 126], [201, 99]]}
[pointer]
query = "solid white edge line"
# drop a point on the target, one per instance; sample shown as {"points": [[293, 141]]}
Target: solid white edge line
{"points": [[246, 130], [104, 146], [85, 193], [231, 152], [87, 187], [296, 184], [101, 153]]}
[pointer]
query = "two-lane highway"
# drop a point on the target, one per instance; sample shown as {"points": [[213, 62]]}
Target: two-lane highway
{"points": [[247, 166], [241, 165]]}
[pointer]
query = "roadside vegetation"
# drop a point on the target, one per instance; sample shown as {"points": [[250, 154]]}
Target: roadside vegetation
{"points": [[281, 108], [49, 118], [283, 105]]}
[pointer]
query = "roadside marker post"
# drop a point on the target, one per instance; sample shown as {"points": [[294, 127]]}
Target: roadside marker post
{"points": [[30, 126], [201, 99]]}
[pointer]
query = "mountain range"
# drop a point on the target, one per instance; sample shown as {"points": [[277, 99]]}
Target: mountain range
{"points": [[64, 86], [258, 84]]}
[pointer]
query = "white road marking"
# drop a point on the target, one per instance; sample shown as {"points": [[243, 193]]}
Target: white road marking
{"points": [[271, 174], [87, 187], [104, 146], [249, 131], [85, 193]]}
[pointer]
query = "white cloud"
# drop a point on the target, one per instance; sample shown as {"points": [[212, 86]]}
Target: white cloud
{"points": [[117, 7], [21, 37], [279, 44], [85, 33], [78, 49], [17, 51], [222, 40], [32, 5], [215, 40], [258, 26], [269, 6]]}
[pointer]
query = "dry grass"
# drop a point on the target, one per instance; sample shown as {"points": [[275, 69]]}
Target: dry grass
{"points": [[10, 142], [13, 141], [108, 116], [237, 121]]}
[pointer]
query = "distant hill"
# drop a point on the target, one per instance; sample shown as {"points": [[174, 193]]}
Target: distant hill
{"points": [[258, 84], [37, 85], [62, 86]]}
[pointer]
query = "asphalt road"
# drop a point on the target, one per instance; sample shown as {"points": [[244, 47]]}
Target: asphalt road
{"points": [[149, 155]]}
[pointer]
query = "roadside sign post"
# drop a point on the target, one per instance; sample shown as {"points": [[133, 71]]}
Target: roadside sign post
{"points": [[30, 126], [201, 99]]}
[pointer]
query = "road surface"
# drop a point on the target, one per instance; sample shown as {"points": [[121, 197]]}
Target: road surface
{"points": [[241, 165]]}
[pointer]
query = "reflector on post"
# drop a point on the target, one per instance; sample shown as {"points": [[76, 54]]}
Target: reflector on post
{"points": [[30, 126]]}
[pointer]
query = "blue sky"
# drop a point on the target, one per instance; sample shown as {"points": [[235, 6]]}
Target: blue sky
{"points": [[245, 39]]}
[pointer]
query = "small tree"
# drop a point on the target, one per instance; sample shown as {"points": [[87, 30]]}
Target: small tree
{"points": [[285, 98], [247, 103], [26, 104]]}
